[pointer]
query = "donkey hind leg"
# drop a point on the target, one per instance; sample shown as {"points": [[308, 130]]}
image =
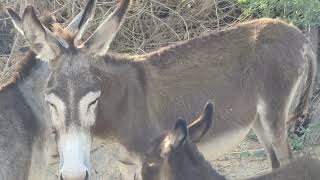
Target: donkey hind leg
{"points": [[263, 138], [272, 117]]}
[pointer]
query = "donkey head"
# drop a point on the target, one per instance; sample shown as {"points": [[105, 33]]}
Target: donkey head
{"points": [[174, 156], [74, 86]]}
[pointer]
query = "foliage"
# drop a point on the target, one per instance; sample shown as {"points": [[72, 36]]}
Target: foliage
{"points": [[251, 135], [258, 153], [300, 12], [296, 141]]}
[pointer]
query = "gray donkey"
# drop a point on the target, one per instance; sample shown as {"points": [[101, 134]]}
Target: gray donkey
{"points": [[24, 132], [259, 72]]}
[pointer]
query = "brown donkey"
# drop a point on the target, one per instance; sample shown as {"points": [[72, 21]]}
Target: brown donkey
{"points": [[257, 71], [174, 156]]}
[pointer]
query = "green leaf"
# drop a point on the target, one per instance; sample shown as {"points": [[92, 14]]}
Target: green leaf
{"points": [[259, 153], [245, 154]]}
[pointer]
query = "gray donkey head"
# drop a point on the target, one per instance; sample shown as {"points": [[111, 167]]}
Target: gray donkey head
{"points": [[74, 85]]}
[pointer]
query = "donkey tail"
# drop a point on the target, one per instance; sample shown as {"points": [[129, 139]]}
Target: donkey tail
{"points": [[301, 112]]}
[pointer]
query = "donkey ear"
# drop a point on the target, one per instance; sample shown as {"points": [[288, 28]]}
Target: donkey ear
{"points": [[201, 126], [79, 24], [16, 20], [42, 41], [175, 138], [99, 42]]}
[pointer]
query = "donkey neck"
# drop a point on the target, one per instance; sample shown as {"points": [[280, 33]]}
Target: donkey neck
{"points": [[31, 84], [33, 78], [124, 109], [189, 163], [28, 79]]}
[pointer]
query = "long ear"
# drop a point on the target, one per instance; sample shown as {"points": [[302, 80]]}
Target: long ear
{"points": [[201, 126], [42, 41], [16, 20], [175, 138], [79, 24], [99, 42]]}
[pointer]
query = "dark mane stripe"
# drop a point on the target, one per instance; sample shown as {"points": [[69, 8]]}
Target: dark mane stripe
{"points": [[23, 66]]}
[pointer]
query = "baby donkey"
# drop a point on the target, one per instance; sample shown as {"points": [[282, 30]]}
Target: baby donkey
{"points": [[174, 156]]}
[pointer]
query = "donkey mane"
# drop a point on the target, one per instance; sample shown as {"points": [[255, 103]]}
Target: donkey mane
{"points": [[59, 31], [197, 156], [21, 68], [117, 58], [259, 25], [155, 56]]}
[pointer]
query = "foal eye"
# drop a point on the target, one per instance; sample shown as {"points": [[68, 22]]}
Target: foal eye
{"points": [[52, 105], [54, 131], [151, 164]]}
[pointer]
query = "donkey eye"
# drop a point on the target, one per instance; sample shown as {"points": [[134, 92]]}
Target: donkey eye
{"points": [[53, 108], [93, 103]]}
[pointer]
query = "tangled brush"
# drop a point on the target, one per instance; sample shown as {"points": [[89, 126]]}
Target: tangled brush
{"points": [[149, 24]]}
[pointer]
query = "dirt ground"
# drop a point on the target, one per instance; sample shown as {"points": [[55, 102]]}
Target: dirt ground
{"points": [[250, 159], [246, 160]]}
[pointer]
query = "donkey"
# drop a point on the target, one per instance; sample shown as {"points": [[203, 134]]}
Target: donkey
{"points": [[174, 156], [24, 131], [259, 72]]}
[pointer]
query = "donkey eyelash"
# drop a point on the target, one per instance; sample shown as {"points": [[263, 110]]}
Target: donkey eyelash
{"points": [[93, 102]]}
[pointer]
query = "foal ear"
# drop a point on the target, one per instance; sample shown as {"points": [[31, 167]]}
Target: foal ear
{"points": [[99, 42], [201, 126], [41, 40], [79, 24], [175, 138]]}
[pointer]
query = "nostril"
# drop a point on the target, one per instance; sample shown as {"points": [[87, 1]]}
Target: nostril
{"points": [[87, 176]]}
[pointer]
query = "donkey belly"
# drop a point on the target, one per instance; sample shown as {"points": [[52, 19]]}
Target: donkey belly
{"points": [[217, 144], [233, 118]]}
